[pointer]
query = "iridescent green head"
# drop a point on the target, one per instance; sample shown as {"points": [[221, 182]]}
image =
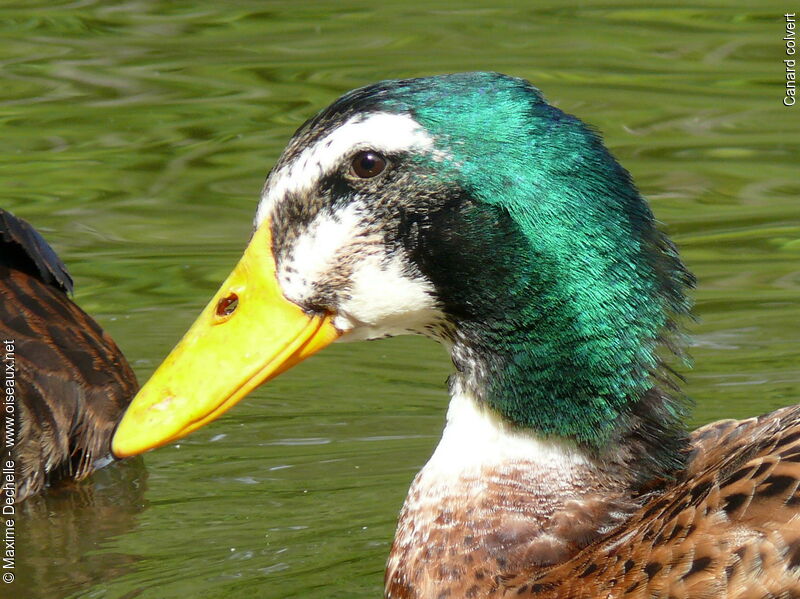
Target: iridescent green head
{"points": [[467, 208]]}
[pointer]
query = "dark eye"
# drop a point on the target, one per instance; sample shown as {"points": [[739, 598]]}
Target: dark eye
{"points": [[368, 164]]}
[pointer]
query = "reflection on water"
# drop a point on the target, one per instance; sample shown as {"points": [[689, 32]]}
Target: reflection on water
{"points": [[136, 135], [61, 534]]}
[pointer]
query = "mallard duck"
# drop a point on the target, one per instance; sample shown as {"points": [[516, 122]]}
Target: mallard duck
{"points": [[70, 382], [467, 209]]}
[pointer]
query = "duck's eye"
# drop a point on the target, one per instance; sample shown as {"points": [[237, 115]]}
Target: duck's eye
{"points": [[368, 164]]}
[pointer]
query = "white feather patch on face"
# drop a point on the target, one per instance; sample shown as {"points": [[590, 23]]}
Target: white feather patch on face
{"points": [[381, 295], [314, 252], [385, 299], [381, 131]]}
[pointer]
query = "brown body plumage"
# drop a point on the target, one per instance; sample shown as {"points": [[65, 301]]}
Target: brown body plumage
{"points": [[727, 527], [72, 382]]}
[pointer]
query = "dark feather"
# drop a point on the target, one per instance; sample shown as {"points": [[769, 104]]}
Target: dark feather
{"points": [[26, 250], [72, 382]]}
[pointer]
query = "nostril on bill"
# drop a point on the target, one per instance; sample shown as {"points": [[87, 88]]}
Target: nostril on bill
{"points": [[227, 305]]}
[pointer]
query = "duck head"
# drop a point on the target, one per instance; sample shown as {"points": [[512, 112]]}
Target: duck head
{"points": [[463, 207]]}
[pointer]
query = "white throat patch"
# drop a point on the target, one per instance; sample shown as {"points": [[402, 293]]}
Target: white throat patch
{"points": [[381, 131], [476, 437]]}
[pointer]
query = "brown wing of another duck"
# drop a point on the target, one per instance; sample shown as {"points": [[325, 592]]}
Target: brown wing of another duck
{"points": [[71, 381]]}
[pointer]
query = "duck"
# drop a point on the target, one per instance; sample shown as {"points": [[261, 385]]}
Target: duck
{"points": [[468, 209], [66, 383]]}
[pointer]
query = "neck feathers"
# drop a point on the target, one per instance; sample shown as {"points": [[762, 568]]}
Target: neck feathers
{"points": [[476, 437], [548, 263], [510, 499], [645, 438]]}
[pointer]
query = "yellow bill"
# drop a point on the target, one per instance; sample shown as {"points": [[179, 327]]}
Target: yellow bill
{"points": [[248, 334]]}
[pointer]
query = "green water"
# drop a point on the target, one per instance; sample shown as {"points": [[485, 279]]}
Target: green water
{"points": [[136, 136]]}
